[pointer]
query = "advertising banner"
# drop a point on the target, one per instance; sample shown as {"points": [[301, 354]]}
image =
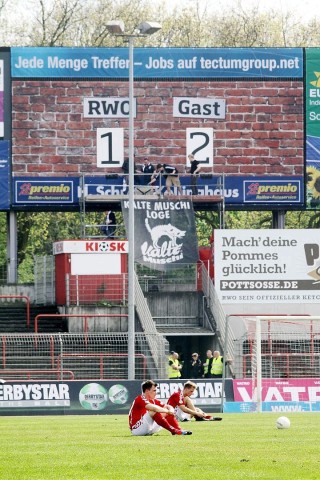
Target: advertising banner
{"points": [[44, 191], [277, 407], [280, 390], [165, 232], [253, 266], [244, 190], [63, 62], [278, 395], [312, 95], [4, 175], [96, 397], [1, 99]]}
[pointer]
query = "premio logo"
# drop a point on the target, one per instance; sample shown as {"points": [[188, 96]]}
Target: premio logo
{"points": [[39, 191], [272, 191]]}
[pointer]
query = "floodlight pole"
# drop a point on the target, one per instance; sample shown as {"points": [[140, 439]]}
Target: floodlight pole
{"points": [[144, 29], [131, 271]]}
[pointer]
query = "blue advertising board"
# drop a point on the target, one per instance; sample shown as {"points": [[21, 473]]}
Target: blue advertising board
{"points": [[63, 62], [4, 175], [66, 193], [275, 407]]}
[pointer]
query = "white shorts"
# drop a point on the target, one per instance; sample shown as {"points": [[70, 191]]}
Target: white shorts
{"points": [[182, 416], [147, 426]]}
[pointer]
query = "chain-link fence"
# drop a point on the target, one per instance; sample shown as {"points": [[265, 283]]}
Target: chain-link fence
{"points": [[80, 356]]}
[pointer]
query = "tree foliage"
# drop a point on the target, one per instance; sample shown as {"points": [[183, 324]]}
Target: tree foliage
{"points": [[191, 23]]}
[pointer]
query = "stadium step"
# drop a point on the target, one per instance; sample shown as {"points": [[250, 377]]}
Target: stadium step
{"points": [[13, 319]]}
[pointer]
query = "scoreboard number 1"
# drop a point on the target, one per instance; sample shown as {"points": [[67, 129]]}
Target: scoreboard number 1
{"points": [[110, 147], [200, 143]]}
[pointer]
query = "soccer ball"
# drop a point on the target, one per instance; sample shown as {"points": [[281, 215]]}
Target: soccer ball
{"points": [[118, 394], [93, 396], [282, 422], [103, 246]]}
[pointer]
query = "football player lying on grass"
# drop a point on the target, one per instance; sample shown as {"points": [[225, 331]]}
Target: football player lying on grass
{"points": [[184, 407]]}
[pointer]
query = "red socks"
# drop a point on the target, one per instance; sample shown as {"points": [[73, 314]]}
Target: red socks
{"points": [[171, 419], [169, 423]]}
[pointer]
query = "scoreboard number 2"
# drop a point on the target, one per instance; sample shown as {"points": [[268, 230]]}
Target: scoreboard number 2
{"points": [[110, 147], [200, 143]]}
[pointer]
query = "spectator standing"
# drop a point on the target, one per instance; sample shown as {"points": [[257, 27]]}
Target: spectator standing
{"points": [[207, 365], [195, 366], [170, 174], [148, 415], [110, 224], [174, 370], [147, 170], [194, 171]]}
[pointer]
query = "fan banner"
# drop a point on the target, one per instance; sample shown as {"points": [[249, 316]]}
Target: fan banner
{"points": [[165, 233]]}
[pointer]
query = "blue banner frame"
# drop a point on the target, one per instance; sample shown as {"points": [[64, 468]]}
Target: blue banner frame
{"points": [[65, 192], [108, 63], [5, 175]]}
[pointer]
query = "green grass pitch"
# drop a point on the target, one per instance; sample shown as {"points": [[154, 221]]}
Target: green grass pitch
{"points": [[242, 446]]}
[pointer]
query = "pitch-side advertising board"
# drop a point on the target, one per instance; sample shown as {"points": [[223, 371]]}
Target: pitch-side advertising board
{"points": [[277, 395], [115, 397], [96, 397]]}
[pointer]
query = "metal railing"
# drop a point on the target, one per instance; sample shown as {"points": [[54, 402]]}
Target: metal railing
{"points": [[25, 374], [184, 278], [284, 365], [102, 363], [84, 317], [44, 280], [158, 345], [89, 356], [101, 290]]}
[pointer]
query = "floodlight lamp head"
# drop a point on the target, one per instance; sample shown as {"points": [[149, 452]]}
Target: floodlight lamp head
{"points": [[115, 27], [148, 28]]}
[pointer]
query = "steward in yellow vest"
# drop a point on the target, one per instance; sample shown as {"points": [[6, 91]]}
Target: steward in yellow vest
{"points": [[174, 367], [217, 365], [207, 365]]}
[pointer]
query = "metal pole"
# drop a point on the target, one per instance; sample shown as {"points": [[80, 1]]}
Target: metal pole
{"points": [[259, 369], [224, 374], [12, 248], [131, 296]]}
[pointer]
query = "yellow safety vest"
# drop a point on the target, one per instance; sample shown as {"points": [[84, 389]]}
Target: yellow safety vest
{"points": [[172, 372], [217, 366], [206, 366]]}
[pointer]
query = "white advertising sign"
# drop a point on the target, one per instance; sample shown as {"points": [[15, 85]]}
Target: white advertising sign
{"points": [[267, 266], [200, 143], [199, 107], [90, 246], [108, 107], [110, 147], [91, 264]]}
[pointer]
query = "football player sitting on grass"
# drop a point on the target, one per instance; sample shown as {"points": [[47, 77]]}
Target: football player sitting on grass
{"points": [[148, 415], [184, 407]]}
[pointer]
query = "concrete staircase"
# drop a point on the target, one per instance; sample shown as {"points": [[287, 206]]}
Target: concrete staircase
{"points": [[13, 319]]}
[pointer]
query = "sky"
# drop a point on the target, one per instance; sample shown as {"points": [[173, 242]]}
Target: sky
{"points": [[306, 9]]}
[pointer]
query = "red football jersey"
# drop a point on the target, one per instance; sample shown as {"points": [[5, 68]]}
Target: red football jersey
{"points": [[176, 399], [138, 409]]}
